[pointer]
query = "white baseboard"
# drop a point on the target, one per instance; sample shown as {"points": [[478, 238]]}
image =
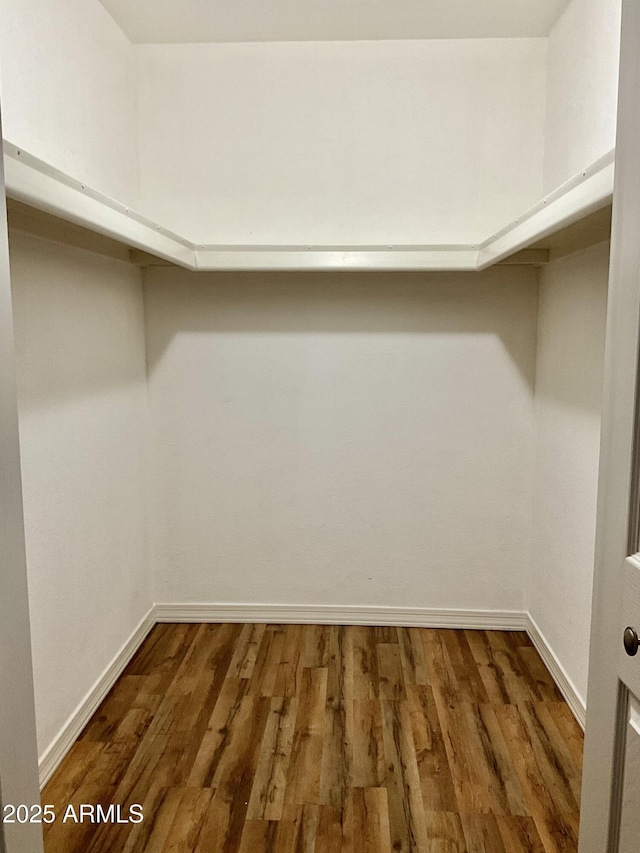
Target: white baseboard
{"points": [[564, 683], [333, 614], [91, 702], [487, 620], [420, 617]]}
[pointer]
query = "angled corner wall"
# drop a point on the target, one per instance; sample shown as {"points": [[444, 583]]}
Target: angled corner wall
{"points": [[81, 372], [582, 88], [581, 110], [569, 373], [69, 91]]}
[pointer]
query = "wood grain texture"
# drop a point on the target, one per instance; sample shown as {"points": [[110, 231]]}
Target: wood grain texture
{"points": [[327, 739]]}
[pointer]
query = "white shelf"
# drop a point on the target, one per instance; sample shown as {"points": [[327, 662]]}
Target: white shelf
{"points": [[36, 183], [326, 258], [39, 185], [582, 195]]}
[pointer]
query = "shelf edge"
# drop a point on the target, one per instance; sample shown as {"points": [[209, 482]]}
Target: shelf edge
{"points": [[40, 185]]}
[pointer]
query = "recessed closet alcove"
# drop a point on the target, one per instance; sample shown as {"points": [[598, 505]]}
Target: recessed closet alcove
{"points": [[309, 323]]}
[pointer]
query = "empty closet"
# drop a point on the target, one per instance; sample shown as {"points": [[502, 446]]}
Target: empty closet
{"points": [[309, 319]]}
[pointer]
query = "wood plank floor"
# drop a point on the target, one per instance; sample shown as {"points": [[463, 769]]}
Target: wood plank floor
{"points": [[315, 739]]}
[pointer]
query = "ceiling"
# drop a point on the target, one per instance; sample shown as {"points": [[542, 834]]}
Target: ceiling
{"points": [[186, 21]]}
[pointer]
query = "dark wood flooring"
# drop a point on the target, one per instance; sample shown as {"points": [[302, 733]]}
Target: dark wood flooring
{"points": [[314, 739]]}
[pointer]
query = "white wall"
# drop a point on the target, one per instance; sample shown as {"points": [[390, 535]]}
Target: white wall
{"points": [[432, 141], [582, 88], [569, 373], [82, 400], [354, 439], [271, 395], [69, 91], [18, 748], [341, 142]]}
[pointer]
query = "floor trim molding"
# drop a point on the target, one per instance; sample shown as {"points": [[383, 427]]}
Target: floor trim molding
{"points": [[420, 617], [71, 730], [564, 683]]}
